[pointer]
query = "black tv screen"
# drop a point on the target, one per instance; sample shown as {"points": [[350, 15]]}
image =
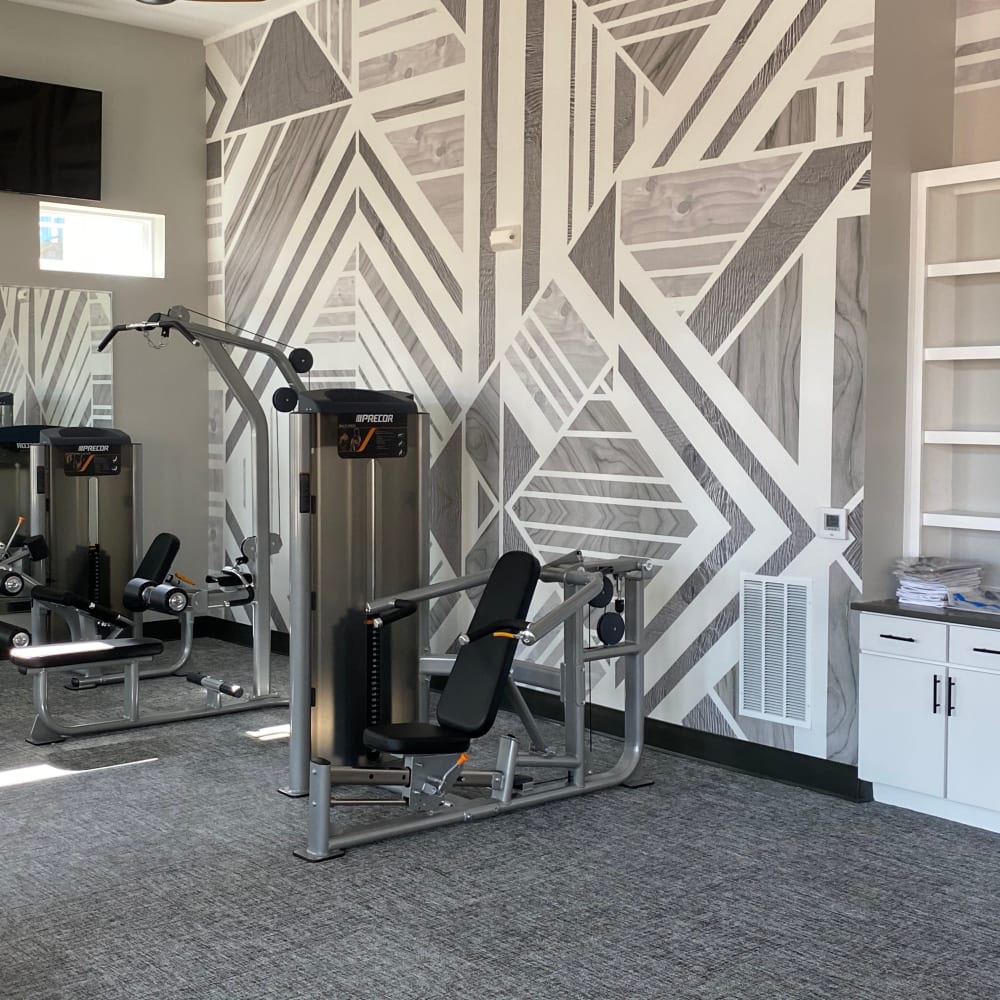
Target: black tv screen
{"points": [[50, 139]]}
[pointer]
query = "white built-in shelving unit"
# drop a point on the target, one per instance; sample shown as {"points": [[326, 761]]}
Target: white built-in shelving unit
{"points": [[952, 502]]}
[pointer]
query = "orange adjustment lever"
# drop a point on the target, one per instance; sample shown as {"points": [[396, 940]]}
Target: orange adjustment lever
{"points": [[185, 579], [463, 758]]}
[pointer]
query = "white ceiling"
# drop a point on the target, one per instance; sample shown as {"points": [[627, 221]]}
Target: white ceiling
{"points": [[196, 18]]}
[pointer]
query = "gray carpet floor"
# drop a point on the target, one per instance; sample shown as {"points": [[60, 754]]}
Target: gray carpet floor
{"points": [[174, 879]]}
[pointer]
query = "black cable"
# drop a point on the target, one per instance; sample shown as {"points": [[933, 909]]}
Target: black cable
{"points": [[234, 326]]}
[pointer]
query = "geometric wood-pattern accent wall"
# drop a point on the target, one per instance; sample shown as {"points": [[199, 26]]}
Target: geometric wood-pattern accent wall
{"points": [[49, 359], [673, 365]]}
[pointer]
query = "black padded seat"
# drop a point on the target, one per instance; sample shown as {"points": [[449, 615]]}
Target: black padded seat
{"points": [[82, 654], [415, 737], [472, 693]]}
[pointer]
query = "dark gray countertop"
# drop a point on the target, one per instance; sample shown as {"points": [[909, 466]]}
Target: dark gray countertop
{"points": [[949, 616]]}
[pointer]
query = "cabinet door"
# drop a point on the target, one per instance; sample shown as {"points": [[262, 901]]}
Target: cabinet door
{"points": [[974, 738], [901, 726]]}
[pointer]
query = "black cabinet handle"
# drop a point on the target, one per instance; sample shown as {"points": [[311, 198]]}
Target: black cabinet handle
{"points": [[950, 707], [895, 638], [936, 696], [983, 649]]}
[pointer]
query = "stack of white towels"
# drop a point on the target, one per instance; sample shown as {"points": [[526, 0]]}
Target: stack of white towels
{"points": [[929, 580]]}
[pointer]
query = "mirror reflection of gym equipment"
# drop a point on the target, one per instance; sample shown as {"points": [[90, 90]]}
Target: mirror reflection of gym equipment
{"points": [[87, 483]]}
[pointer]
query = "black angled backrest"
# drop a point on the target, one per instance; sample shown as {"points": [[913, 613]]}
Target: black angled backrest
{"points": [[159, 558], [471, 697]]}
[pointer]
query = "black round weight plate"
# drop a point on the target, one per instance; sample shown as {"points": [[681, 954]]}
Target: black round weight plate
{"points": [[285, 399], [611, 628], [302, 360], [603, 599]]}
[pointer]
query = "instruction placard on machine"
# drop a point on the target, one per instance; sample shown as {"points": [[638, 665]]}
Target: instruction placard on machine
{"points": [[93, 460], [372, 436]]}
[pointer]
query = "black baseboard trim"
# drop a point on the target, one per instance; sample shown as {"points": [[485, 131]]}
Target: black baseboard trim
{"points": [[209, 627], [827, 776]]}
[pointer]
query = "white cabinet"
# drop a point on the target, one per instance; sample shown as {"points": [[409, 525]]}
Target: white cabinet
{"points": [[902, 723], [973, 700], [929, 715]]}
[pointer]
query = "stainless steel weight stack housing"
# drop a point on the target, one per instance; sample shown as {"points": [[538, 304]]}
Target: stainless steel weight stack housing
{"points": [[359, 529]]}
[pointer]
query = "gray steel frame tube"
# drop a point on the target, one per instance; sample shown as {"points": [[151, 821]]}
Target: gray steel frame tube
{"points": [[137, 528], [573, 604], [300, 612], [259, 432], [380, 605]]}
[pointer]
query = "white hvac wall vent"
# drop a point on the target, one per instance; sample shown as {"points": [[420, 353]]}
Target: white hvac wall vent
{"points": [[774, 648]]}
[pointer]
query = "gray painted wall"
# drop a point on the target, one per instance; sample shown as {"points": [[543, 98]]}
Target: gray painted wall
{"points": [[154, 100], [914, 113]]}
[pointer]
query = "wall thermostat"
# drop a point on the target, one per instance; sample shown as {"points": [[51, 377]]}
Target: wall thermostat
{"points": [[833, 523]]}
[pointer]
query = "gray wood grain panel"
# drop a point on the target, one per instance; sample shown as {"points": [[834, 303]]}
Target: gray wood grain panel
{"points": [[412, 223], [537, 393], [800, 532], [570, 540], [396, 21], [692, 255], [408, 337], [571, 335], [855, 528], [763, 79], [238, 50], [431, 146], [661, 59], [842, 673], [768, 734], [617, 11], [594, 252], [675, 286], [654, 492], [698, 203], [292, 74], [980, 72], [447, 196], [534, 67], [714, 80], [555, 362], [446, 501], [591, 192], [796, 124], [840, 63], [599, 415], [765, 362], [218, 97], [519, 455], [485, 552], [869, 103], [788, 221], [599, 456], [254, 255], [663, 21], [555, 390], [457, 10], [482, 432], [439, 611], [484, 504], [572, 125], [624, 114], [850, 349], [342, 293], [975, 48], [707, 717], [428, 104], [664, 521], [213, 161], [414, 60], [347, 38], [866, 30], [488, 183], [841, 87]]}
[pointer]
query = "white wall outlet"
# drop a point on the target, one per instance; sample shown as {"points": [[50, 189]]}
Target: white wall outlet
{"points": [[833, 523], [506, 238]]}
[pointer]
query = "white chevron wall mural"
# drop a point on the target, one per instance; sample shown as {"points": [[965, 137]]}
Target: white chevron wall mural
{"points": [[672, 366], [48, 355]]}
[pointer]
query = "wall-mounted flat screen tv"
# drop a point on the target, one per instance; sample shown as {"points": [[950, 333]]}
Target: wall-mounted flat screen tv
{"points": [[50, 139]]}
